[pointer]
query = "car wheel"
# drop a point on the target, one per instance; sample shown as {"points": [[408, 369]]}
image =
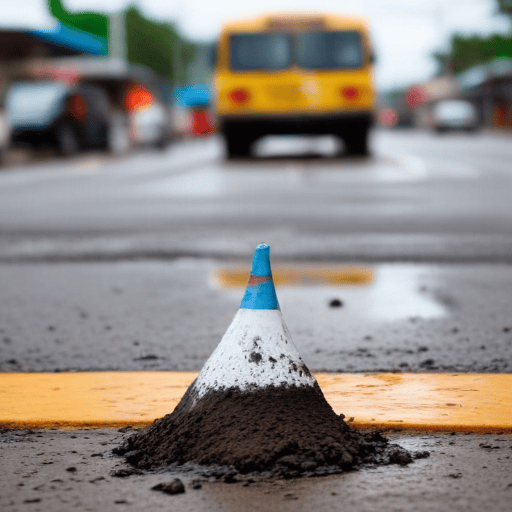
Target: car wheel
{"points": [[238, 146], [67, 141], [163, 142]]}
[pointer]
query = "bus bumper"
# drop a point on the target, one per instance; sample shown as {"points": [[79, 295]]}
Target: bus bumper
{"points": [[256, 125]]}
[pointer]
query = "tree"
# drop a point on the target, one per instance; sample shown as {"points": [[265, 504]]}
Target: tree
{"points": [[466, 52], [158, 46]]}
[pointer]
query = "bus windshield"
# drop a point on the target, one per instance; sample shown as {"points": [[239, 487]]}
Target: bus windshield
{"points": [[329, 50]]}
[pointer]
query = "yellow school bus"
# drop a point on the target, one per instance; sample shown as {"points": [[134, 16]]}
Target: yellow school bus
{"points": [[295, 74]]}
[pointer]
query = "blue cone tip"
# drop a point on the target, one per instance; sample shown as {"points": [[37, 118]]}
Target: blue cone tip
{"points": [[260, 292]]}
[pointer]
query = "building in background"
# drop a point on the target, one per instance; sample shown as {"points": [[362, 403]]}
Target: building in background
{"points": [[421, 98], [489, 88]]}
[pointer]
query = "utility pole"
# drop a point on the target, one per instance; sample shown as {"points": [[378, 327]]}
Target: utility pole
{"points": [[117, 39]]}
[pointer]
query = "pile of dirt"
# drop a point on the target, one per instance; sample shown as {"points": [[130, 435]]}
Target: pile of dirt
{"points": [[284, 431]]}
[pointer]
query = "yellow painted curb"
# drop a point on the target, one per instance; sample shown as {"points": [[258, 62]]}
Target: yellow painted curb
{"points": [[419, 402]]}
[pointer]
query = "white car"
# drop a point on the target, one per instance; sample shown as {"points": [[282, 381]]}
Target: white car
{"points": [[454, 115], [150, 125]]}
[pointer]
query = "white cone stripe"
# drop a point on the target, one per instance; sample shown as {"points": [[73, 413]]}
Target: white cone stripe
{"points": [[257, 351]]}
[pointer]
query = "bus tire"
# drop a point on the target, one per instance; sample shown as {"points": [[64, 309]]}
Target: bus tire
{"points": [[237, 146], [356, 144]]}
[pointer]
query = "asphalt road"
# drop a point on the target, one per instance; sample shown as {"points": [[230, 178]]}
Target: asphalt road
{"points": [[420, 197], [62, 471], [111, 264], [158, 315]]}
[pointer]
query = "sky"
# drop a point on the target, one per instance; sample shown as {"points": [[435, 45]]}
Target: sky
{"points": [[405, 33]]}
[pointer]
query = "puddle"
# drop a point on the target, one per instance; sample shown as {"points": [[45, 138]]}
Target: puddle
{"points": [[380, 293]]}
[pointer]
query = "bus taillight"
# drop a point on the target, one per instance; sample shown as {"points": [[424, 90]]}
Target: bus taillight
{"points": [[239, 96], [349, 93]]}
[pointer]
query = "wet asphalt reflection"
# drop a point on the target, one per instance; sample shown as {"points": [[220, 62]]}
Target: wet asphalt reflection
{"points": [[171, 315]]}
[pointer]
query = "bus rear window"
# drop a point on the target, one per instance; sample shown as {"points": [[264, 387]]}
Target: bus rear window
{"points": [[329, 50], [270, 51]]}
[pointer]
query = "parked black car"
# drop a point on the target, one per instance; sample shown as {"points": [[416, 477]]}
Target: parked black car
{"points": [[53, 113]]}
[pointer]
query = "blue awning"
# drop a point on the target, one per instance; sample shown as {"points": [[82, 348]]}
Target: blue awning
{"points": [[193, 96], [73, 39]]}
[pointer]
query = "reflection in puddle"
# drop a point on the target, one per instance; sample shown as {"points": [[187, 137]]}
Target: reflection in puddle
{"points": [[396, 294], [299, 275], [325, 145], [382, 293]]}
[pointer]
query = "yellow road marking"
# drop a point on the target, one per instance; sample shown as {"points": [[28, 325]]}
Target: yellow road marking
{"points": [[299, 275], [420, 402]]}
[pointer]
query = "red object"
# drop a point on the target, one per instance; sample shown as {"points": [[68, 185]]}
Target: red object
{"points": [[416, 96], [388, 117], [239, 95], [137, 96], [350, 93], [78, 107], [202, 123]]}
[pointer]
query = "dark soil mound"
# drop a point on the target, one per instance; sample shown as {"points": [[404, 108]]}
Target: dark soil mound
{"points": [[284, 431]]}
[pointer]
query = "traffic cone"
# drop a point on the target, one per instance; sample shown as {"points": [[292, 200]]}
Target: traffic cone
{"points": [[257, 350], [254, 406]]}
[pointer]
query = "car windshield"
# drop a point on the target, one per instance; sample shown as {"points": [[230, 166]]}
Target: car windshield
{"points": [[329, 50], [35, 96], [269, 51]]}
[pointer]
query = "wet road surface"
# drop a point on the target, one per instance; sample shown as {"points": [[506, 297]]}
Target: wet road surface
{"points": [[62, 470], [420, 197], [155, 315], [111, 264]]}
